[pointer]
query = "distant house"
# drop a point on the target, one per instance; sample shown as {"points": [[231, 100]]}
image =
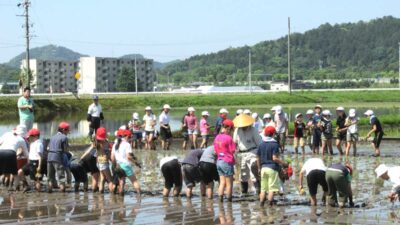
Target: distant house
{"points": [[13, 87], [279, 86]]}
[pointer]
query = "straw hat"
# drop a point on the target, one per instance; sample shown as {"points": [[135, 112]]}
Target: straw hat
{"points": [[243, 120]]}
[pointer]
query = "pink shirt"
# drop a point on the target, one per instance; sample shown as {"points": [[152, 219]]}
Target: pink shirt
{"points": [[191, 122], [203, 127], [224, 148]]}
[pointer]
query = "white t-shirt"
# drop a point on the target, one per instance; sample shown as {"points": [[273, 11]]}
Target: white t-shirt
{"points": [[148, 120], [394, 175], [36, 150], [353, 129], [95, 110], [164, 118], [313, 164], [280, 122], [167, 159], [9, 141], [121, 154]]}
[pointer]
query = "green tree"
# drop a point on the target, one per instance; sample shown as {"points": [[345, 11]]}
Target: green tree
{"points": [[126, 80], [5, 89]]}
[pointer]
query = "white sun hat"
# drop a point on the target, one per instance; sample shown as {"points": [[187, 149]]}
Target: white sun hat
{"points": [[166, 106], [380, 170], [223, 110], [20, 130], [205, 113], [369, 112], [135, 116], [254, 115], [326, 112], [267, 116], [239, 111], [148, 108], [352, 112], [298, 114], [340, 108], [309, 112], [191, 109], [247, 111], [278, 109]]}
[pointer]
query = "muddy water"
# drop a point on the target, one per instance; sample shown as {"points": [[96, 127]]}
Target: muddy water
{"points": [[89, 208]]}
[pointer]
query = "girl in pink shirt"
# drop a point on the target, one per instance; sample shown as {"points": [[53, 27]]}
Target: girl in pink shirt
{"points": [[224, 148], [204, 129], [190, 121]]}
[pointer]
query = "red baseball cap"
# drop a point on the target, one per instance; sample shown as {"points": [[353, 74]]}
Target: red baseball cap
{"points": [[101, 134], [127, 133], [290, 171], [64, 125], [33, 132], [228, 123], [120, 132], [269, 130]]}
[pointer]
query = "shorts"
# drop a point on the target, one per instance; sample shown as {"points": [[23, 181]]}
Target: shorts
{"points": [[172, 174], [225, 169], [191, 175], [127, 168], [90, 164], [314, 178], [316, 138], [137, 136], [352, 137], [269, 180], [149, 132], [326, 137], [208, 172], [165, 133], [192, 132], [103, 166], [55, 170], [281, 138], [377, 139], [79, 173], [30, 169], [205, 137], [8, 162], [341, 136], [298, 141], [21, 163], [337, 183]]}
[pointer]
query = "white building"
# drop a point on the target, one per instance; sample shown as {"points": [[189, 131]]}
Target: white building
{"points": [[100, 74], [52, 76], [97, 74], [279, 86]]}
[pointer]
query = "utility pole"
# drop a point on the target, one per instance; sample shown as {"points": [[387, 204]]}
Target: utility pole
{"points": [[26, 5], [136, 79], [288, 51], [399, 65], [249, 70]]}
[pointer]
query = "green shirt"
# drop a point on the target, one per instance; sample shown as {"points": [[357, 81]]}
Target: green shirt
{"points": [[25, 114]]}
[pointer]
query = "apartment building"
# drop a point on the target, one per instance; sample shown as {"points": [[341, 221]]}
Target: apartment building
{"points": [[100, 74], [53, 76]]}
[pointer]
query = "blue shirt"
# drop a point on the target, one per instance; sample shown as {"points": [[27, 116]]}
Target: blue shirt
{"points": [[57, 145], [265, 152], [218, 125]]}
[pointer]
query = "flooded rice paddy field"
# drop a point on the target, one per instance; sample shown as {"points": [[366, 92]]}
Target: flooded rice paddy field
{"points": [[93, 208]]}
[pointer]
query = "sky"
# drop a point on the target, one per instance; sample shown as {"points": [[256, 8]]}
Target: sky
{"points": [[166, 30]]}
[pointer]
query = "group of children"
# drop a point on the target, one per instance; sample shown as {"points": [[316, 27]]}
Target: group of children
{"points": [[24, 154]]}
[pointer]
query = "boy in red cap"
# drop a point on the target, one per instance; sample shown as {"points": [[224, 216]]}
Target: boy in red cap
{"points": [[33, 168], [269, 165], [224, 148], [58, 146]]}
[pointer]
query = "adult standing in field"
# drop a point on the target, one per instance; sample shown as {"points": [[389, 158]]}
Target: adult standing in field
{"points": [[281, 126], [309, 125], [376, 128], [192, 125], [316, 128], [223, 115], [26, 109], [341, 129], [247, 139], [94, 116], [165, 129], [352, 132], [149, 123]]}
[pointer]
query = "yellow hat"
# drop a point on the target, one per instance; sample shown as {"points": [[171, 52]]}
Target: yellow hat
{"points": [[243, 120]]}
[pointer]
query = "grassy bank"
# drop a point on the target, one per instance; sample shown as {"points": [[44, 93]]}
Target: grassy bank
{"points": [[8, 104]]}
